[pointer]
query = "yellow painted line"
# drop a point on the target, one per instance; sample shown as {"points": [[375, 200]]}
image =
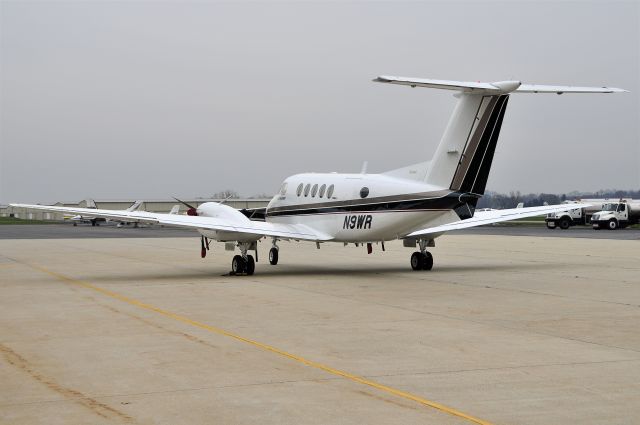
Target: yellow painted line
{"points": [[311, 363]]}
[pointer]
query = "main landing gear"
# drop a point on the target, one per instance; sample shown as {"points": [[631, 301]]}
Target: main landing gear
{"points": [[273, 252], [422, 260], [244, 263]]}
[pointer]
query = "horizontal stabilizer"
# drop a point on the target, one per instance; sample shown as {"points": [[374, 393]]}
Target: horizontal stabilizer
{"points": [[500, 87]]}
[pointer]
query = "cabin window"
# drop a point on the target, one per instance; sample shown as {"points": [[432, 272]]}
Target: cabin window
{"points": [[306, 189], [330, 192], [299, 190], [322, 189], [364, 192], [314, 190]]}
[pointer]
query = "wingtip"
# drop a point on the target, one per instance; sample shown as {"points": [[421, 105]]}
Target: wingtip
{"points": [[381, 79]]}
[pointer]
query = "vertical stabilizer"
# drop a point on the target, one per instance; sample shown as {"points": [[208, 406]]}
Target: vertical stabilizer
{"points": [[463, 158]]}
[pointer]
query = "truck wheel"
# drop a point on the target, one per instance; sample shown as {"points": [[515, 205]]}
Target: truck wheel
{"points": [[551, 225], [612, 224], [564, 223]]}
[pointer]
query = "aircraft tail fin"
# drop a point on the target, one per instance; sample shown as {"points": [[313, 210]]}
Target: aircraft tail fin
{"points": [[135, 206], [463, 158]]}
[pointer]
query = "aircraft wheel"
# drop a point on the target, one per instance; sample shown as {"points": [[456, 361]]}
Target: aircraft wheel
{"points": [[273, 256], [238, 264], [250, 265], [417, 261], [612, 224], [75, 224], [427, 261]]}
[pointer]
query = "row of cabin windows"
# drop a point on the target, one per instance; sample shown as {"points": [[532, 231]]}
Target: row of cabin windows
{"points": [[313, 190]]}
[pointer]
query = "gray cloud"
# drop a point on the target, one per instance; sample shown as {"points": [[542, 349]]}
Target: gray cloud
{"points": [[153, 99]]}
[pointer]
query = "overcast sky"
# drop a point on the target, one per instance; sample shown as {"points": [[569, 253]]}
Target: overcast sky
{"points": [[147, 100]]}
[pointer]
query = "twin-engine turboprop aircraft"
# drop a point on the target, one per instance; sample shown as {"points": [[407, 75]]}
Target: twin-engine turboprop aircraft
{"points": [[417, 203]]}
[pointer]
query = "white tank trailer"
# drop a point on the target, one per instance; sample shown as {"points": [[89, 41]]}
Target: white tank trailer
{"points": [[576, 216], [617, 215]]}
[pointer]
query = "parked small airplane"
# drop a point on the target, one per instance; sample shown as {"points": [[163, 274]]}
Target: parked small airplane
{"points": [[95, 221], [417, 203]]}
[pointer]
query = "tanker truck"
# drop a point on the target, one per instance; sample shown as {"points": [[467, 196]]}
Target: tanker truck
{"points": [[619, 214], [575, 216]]}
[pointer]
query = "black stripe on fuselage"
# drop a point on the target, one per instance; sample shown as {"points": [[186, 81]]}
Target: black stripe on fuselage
{"points": [[449, 201]]}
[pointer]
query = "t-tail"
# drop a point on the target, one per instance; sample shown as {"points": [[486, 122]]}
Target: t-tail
{"points": [[463, 158]]}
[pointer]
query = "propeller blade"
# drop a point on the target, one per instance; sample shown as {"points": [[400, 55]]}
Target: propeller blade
{"points": [[184, 203]]}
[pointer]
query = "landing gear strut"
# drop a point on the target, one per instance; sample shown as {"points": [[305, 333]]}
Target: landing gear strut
{"points": [[204, 246], [273, 252], [243, 263], [422, 260]]}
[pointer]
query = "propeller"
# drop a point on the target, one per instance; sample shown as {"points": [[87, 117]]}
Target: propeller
{"points": [[191, 209]]}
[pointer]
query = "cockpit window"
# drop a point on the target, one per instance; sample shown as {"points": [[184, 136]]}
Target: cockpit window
{"points": [[306, 189], [330, 192], [299, 189], [322, 189], [314, 190]]}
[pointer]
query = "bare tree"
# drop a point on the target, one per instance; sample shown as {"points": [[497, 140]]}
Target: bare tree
{"points": [[226, 194]]}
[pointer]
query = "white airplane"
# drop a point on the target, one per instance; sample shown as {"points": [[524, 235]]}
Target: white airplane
{"points": [[95, 220], [417, 203]]}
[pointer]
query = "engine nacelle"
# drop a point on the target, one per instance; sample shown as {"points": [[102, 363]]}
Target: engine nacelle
{"points": [[221, 211]]}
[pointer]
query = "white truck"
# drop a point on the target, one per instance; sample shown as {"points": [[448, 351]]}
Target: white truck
{"points": [[575, 216], [617, 214]]}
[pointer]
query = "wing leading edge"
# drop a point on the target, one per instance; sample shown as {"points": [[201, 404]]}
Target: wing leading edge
{"points": [[488, 217]]}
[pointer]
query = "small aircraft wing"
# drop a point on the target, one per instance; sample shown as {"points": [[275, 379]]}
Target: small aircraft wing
{"points": [[256, 228], [494, 216]]}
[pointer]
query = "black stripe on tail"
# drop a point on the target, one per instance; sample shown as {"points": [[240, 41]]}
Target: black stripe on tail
{"points": [[473, 168]]}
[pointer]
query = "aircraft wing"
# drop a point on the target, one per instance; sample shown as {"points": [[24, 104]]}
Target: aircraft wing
{"points": [[495, 216], [258, 228]]}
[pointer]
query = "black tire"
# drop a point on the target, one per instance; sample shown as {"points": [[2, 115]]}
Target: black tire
{"points": [[273, 256], [75, 224], [612, 224], [564, 223], [417, 261], [427, 261], [238, 264], [551, 225], [250, 265]]}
